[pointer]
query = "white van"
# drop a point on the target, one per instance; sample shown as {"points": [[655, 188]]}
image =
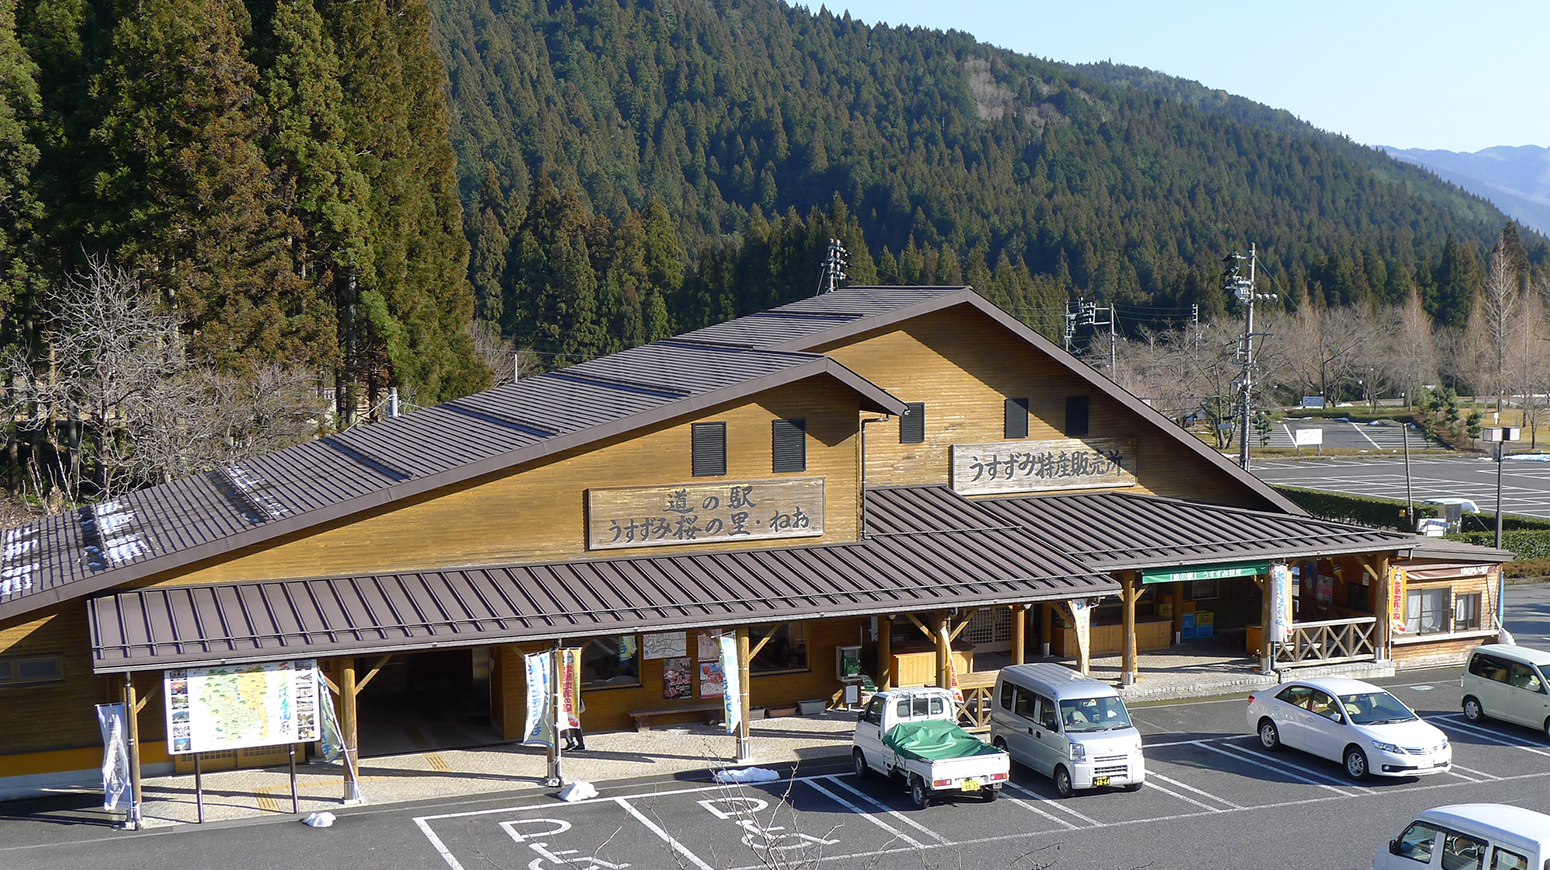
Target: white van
{"points": [[1511, 683], [1468, 837], [1068, 727]]}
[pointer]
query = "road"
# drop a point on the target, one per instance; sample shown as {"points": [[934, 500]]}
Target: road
{"points": [[1213, 799], [1525, 483]]}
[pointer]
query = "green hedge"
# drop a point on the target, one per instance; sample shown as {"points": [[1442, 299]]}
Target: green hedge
{"points": [[1525, 543], [1361, 510]]}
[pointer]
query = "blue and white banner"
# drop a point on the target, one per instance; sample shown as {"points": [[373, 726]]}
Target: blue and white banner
{"points": [[1280, 591], [115, 754], [732, 699], [330, 738], [539, 730]]}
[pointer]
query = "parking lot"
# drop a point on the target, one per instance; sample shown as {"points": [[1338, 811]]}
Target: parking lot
{"points": [[1303, 811], [1525, 483]]}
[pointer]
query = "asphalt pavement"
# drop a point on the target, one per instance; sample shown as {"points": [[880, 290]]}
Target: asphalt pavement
{"points": [[1525, 482]]}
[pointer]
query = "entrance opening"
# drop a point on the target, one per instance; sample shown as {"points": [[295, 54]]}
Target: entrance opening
{"points": [[426, 701]]}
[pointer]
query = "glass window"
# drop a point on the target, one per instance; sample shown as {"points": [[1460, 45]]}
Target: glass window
{"points": [[1461, 852], [1047, 717], [902, 709], [1008, 692], [1324, 705], [1093, 714], [874, 711], [786, 650], [43, 669], [1297, 696], [1525, 677], [1505, 860], [1466, 612], [1417, 842], [1371, 708], [1489, 667], [1025, 704], [1426, 611], [610, 661]]}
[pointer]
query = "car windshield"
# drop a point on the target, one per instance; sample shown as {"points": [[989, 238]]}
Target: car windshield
{"points": [[1094, 714], [1374, 708]]}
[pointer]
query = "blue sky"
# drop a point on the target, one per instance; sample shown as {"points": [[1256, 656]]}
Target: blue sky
{"points": [[1458, 76]]}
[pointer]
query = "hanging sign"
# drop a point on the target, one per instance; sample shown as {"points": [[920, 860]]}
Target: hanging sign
{"points": [[539, 728], [1204, 572], [237, 706], [1081, 621], [952, 670], [1398, 579], [115, 755], [732, 697], [698, 513], [1279, 587], [1038, 466]]}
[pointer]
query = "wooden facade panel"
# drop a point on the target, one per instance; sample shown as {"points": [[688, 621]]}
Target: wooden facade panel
{"points": [[52, 716], [537, 513], [964, 367]]}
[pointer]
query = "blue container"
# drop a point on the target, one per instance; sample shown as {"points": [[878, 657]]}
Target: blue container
{"points": [[1189, 623], [1188, 632], [1203, 630]]}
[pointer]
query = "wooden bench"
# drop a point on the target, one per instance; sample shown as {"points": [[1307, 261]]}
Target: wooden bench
{"points": [[643, 717]]}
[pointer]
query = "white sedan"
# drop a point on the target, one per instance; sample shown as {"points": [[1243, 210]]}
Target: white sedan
{"points": [[1352, 722]]}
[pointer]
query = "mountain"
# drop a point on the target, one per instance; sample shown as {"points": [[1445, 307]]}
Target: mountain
{"points": [[1514, 179]]}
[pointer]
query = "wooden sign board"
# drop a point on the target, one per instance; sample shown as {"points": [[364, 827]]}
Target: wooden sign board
{"points": [[1043, 466], [698, 513]]}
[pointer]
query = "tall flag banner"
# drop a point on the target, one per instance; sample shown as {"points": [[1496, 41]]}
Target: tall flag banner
{"points": [[569, 715], [1397, 583], [952, 671], [115, 754], [539, 729], [1280, 603], [332, 738], [732, 698]]}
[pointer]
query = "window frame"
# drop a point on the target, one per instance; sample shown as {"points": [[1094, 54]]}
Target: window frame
{"points": [[912, 424], [1442, 611], [1015, 424], [789, 628], [1473, 601], [14, 664], [1078, 409], [701, 464], [595, 686], [798, 462]]}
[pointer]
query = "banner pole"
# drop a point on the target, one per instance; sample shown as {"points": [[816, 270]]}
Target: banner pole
{"points": [[295, 805], [556, 776], [199, 786]]}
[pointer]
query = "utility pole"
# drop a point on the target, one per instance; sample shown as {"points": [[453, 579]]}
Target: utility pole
{"points": [[1070, 317], [1090, 318], [1243, 289], [833, 273]]}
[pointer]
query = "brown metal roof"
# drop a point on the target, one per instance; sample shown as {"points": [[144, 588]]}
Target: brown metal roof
{"points": [[159, 627], [830, 318], [1113, 531], [193, 518]]}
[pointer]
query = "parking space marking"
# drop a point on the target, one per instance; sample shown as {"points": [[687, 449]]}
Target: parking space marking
{"points": [[1244, 755], [1449, 721], [1059, 806], [864, 814], [437, 844], [1472, 772], [835, 780], [1189, 800], [1038, 812], [667, 838], [1152, 774]]}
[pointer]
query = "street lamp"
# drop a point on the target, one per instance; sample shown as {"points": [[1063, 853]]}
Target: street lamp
{"points": [[1500, 435]]}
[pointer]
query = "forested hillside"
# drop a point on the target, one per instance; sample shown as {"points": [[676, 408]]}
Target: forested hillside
{"points": [[1116, 184]]}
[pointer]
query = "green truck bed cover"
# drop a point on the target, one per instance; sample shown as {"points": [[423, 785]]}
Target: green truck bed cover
{"points": [[935, 739]]}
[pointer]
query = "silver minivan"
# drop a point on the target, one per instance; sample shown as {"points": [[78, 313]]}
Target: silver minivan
{"points": [[1508, 683], [1071, 728]]}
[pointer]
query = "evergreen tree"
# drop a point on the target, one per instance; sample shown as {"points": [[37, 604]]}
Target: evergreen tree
{"points": [[20, 207]]}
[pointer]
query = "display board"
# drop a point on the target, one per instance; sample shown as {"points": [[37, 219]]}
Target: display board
{"points": [[1039, 466], [698, 513], [240, 706]]}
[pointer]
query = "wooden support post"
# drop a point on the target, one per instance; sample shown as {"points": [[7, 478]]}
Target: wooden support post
{"points": [[943, 649], [1176, 593], [132, 713], [885, 654], [1130, 593], [1046, 627], [744, 703], [1383, 640], [349, 730], [1019, 634]]}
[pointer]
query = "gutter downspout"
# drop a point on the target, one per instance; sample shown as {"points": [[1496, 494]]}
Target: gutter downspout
{"points": [[882, 419]]}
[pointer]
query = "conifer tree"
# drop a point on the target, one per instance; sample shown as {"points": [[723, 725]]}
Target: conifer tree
{"points": [[20, 207]]}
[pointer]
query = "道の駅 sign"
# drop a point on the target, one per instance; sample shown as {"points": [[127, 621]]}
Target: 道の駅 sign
{"points": [[238, 706], [697, 513]]}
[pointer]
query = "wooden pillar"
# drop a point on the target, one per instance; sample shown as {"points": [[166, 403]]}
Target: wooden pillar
{"points": [[1019, 634], [743, 698], [1384, 636], [1129, 593], [943, 649], [1046, 627], [132, 713], [885, 654], [349, 730], [1176, 593]]}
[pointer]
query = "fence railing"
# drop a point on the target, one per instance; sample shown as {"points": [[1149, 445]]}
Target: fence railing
{"points": [[977, 688], [1330, 642]]}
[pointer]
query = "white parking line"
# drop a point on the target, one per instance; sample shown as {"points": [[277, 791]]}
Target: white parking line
{"points": [[884, 807], [438, 845], [1450, 721], [1360, 431], [864, 814], [1038, 812], [1472, 772], [666, 838], [1152, 784], [1244, 755], [1152, 774], [1053, 804]]}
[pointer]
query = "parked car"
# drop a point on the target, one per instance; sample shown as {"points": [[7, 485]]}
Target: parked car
{"points": [[1069, 727], [1470, 837], [1358, 724], [914, 734], [1510, 683]]}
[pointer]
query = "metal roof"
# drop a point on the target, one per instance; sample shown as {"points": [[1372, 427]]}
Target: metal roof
{"points": [[1113, 531], [193, 518], [160, 627], [830, 318]]}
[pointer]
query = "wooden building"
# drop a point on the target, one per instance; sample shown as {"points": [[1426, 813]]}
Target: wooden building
{"points": [[888, 480]]}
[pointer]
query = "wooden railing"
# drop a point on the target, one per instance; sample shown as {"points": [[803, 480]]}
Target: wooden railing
{"points": [[977, 687], [1330, 642]]}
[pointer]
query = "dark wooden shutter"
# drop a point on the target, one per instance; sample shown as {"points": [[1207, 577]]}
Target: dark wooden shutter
{"points": [[912, 426], [710, 449], [788, 446], [1076, 416], [1017, 418]]}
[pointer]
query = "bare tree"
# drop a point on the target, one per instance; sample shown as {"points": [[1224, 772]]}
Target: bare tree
{"points": [[1531, 356], [1411, 346], [1493, 320]]}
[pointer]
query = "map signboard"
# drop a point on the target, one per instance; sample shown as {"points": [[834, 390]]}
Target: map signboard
{"points": [[238, 706]]}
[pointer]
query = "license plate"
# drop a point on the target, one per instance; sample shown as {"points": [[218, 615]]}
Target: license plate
{"points": [[1100, 780], [970, 785]]}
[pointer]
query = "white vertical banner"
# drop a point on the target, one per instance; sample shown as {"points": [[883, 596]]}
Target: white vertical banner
{"points": [[732, 698], [539, 729], [1280, 590], [952, 670], [115, 754]]}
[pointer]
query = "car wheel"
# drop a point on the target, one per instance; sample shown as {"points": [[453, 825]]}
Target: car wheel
{"points": [[1547, 727], [1472, 710], [1355, 762], [1269, 737], [1134, 786], [1063, 782], [919, 793], [862, 770], [989, 793]]}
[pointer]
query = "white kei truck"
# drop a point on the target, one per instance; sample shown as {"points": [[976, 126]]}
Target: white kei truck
{"points": [[914, 734]]}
